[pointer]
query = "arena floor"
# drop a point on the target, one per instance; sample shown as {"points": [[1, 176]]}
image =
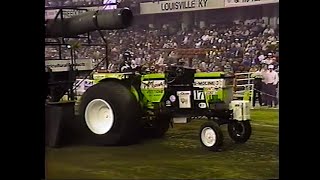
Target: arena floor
{"points": [[178, 156]]}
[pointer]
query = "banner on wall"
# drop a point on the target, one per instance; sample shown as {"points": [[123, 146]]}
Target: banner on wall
{"points": [[237, 3], [179, 6], [64, 65], [67, 13]]}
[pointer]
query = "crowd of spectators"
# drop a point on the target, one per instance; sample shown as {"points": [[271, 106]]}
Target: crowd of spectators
{"points": [[237, 47]]}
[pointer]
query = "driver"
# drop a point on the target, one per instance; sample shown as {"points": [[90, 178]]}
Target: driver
{"points": [[125, 66]]}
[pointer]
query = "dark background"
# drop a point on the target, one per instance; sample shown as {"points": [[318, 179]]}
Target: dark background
{"points": [[23, 99]]}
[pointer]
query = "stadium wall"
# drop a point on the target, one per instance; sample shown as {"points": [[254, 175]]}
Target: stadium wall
{"points": [[196, 5]]}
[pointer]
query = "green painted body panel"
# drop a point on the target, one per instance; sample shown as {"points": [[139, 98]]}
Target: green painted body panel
{"points": [[100, 76], [220, 94], [212, 97], [217, 95], [153, 76], [208, 74], [97, 77], [153, 87], [153, 95], [246, 95]]}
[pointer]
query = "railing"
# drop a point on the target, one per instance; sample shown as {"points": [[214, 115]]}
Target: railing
{"points": [[244, 86]]}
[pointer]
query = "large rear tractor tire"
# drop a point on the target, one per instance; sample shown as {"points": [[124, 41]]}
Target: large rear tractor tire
{"points": [[110, 115], [211, 136], [240, 131]]}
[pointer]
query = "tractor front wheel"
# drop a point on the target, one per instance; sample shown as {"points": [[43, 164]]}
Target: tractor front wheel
{"points": [[211, 136], [240, 131]]}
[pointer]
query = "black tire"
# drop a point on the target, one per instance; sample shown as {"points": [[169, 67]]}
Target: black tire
{"points": [[159, 128], [216, 146], [240, 131], [125, 128]]}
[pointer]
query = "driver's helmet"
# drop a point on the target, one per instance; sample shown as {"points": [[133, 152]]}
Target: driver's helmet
{"points": [[127, 55]]}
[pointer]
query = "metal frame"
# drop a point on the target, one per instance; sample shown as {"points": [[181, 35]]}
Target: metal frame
{"points": [[67, 84], [81, 6]]}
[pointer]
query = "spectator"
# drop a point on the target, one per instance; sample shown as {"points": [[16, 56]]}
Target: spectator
{"points": [[246, 60], [264, 71], [268, 31], [271, 79], [257, 75], [269, 60]]}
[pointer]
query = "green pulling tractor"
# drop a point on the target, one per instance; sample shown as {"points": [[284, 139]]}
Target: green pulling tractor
{"points": [[122, 108]]}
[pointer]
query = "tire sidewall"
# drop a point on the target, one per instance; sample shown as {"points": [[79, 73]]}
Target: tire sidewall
{"points": [[125, 109], [244, 136], [218, 133]]}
